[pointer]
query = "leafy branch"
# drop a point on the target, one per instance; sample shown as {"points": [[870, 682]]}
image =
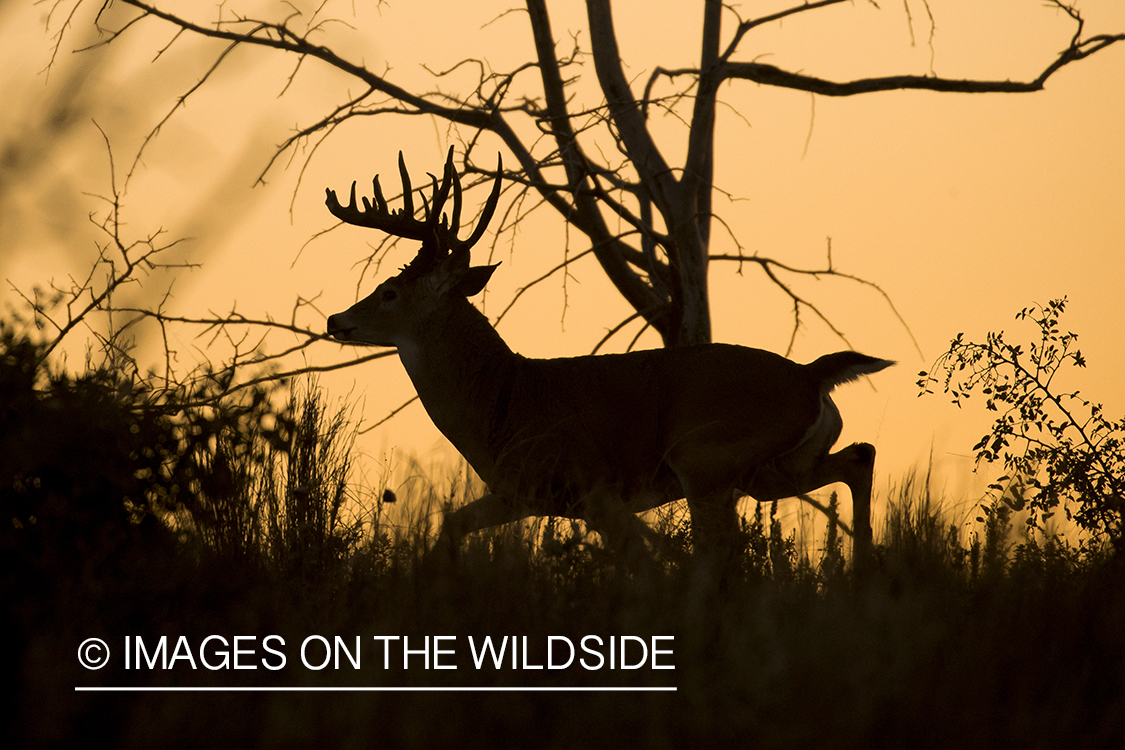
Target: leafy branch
{"points": [[1057, 447]]}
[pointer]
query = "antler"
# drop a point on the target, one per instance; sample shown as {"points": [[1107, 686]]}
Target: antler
{"points": [[435, 230]]}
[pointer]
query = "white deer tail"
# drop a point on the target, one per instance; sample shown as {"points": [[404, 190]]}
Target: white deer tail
{"points": [[836, 369]]}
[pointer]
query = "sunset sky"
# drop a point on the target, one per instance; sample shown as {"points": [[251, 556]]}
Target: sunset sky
{"points": [[962, 208]]}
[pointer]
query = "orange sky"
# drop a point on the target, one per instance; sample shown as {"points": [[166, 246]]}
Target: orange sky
{"points": [[963, 208]]}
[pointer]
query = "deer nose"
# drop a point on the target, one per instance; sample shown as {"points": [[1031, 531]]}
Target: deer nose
{"points": [[337, 329]]}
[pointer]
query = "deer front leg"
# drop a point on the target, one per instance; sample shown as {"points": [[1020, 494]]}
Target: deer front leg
{"points": [[482, 513], [605, 512]]}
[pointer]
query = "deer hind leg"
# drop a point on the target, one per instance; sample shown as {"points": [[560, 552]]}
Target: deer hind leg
{"points": [[715, 531], [708, 486], [855, 467]]}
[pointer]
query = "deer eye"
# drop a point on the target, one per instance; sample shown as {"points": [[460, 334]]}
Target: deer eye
{"points": [[389, 295]]}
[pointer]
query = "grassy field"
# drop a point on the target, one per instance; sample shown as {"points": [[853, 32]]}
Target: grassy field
{"points": [[961, 636]]}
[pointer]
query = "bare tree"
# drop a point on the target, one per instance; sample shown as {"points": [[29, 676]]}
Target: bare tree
{"points": [[659, 260]]}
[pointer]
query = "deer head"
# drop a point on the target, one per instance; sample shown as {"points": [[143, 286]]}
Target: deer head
{"points": [[404, 305]]}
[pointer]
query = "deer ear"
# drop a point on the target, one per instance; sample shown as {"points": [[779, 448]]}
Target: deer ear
{"points": [[473, 281]]}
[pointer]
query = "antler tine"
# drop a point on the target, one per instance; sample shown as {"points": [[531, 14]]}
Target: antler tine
{"points": [[407, 192], [433, 213], [380, 201], [367, 205], [488, 210], [441, 194], [455, 220]]}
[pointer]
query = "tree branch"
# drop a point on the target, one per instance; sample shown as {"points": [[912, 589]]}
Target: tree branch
{"points": [[586, 216], [624, 109], [771, 75]]}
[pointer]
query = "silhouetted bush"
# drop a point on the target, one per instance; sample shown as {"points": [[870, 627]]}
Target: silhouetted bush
{"points": [[84, 465], [1059, 449]]}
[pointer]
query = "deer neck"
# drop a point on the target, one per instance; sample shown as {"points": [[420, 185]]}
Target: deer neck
{"points": [[462, 369]]}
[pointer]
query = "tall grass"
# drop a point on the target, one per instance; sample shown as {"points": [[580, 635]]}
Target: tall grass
{"points": [[962, 635]]}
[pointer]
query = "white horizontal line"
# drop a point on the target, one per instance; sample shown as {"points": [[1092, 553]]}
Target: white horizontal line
{"points": [[330, 689]]}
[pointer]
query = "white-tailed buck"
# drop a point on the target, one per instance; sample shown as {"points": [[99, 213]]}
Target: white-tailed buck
{"points": [[599, 437]]}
